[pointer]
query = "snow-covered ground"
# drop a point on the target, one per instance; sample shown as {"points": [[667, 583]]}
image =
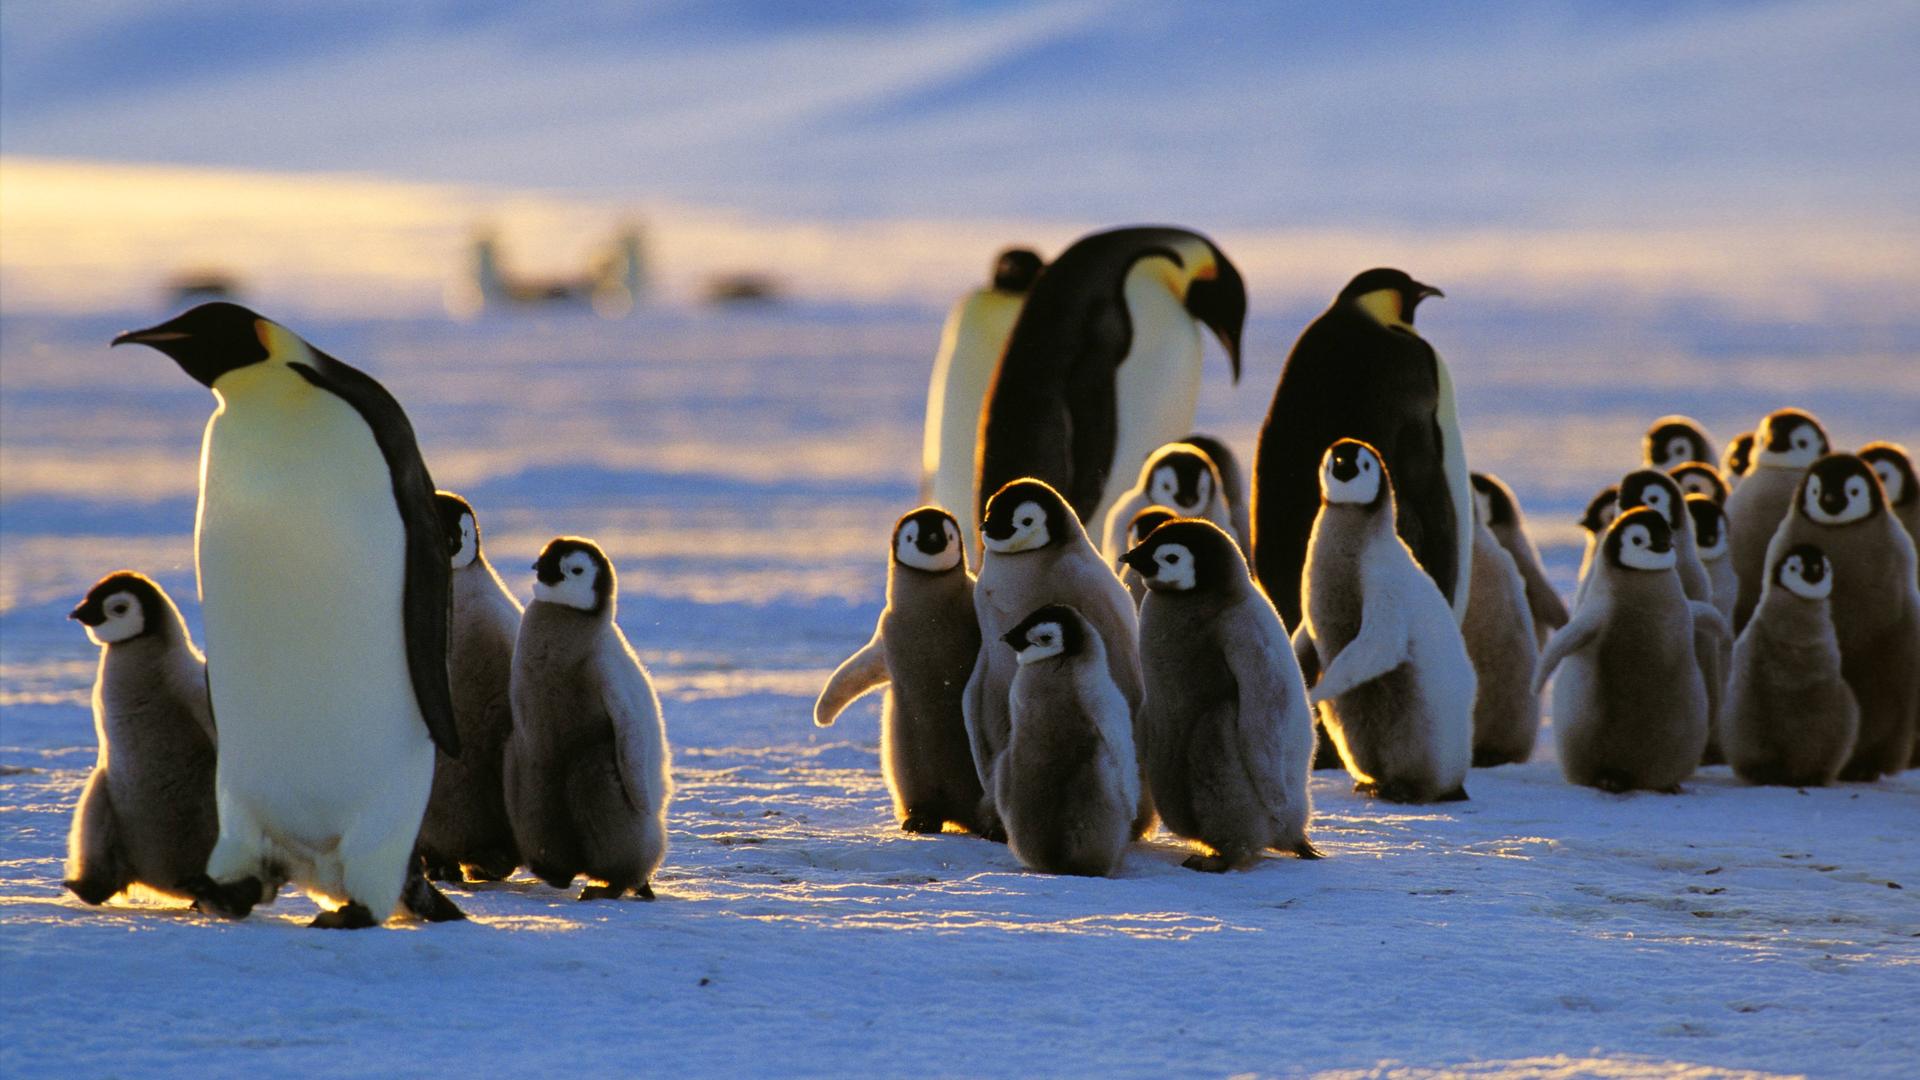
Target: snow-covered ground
{"points": [[742, 470]]}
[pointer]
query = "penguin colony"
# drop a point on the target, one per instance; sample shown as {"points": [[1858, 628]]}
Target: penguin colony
{"points": [[1067, 699]]}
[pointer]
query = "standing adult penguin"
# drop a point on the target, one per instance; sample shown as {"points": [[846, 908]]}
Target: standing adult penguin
{"points": [[466, 832], [1233, 484], [324, 584], [1675, 440], [1895, 469], [970, 346], [1179, 476], [1500, 512], [1361, 371], [1787, 442], [1104, 363], [1791, 718]]}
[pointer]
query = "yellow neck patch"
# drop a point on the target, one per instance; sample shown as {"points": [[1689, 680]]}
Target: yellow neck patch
{"points": [[1383, 307]]}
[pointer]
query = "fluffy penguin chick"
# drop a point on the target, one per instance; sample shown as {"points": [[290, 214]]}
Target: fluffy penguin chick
{"points": [[1672, 440], [1233, 484], [1178, 476], [1141, 527], [1225, 729], [1600, 512], [466, 824], [1710, 540], [1713, 648], [1395, 685], [1791, 718], [922, 651], [1892, 464], [1785, 445], [1629, 706], [1499, 510], [1038, 554], [587, 771], [1735, 462], [1841, 509], [1499, 631], [147, 814], [1695, 478], [1068, 786]]}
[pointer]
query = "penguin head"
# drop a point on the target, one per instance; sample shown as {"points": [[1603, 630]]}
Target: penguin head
{"points": [[573, 572], [1656, 490], [1217, 300], [459, 526], [1015, 269], [1895, 469], [1352, 474], [1054, 630], [208, 341], [1789, 439], [1025, 515], [1181, 476], [1186, 555], [1805, 572], [1840, 489], [1739, 456], [1639, 539], [1145, 520], [120, 607], [1217, 452], [1673, 440], [1387, 296], [928, 539], [1709, 527], [1696, 478], [1493, 500], [1601, 510]]}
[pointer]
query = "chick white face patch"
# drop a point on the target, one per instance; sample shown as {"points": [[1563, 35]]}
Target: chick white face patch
{"points": [[125, 619], [1029, 531], [1637, 553], [575, 588], [1044, 640], [907, 548]]}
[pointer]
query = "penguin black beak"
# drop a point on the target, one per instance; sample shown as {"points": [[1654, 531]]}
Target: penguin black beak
{"points": [[1141, 560], [1002, 531], [88, 614], [1833, 502], [1813, 571], [1344, 467], [1015, 638], [1220, 303], [153, 335]]}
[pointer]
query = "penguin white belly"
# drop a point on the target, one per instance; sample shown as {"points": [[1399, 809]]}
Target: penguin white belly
{"points": [[1459, 484], [970, 347], [300, 552], [1157, 386]]}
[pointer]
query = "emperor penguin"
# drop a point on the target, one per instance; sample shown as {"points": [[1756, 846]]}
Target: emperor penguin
{"points": [[1629, 705], [1791, 718], [922, 651], [1674, 440], [1501, 642], [1233, 484], [1361, 371], [1069, 782], [147, 814], [1594, 520], [1037, 554], [1841, 508], [1786, 443], [1225, 729], [1395, 687], [1499, 511], [587, 769], [1710, 538], [1143, 523], [1738, 457], [1713, 646], [1104, 363], [1696, 478], [1179, 476], [1892, 464], [324, 585], [466, 832], [970, 346]]}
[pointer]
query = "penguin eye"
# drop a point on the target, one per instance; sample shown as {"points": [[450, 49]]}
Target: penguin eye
{"points": [[117, 609], [577, 571]]}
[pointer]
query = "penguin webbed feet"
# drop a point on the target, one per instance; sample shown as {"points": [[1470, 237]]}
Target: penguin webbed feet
{"points": [[1207, 864], [922, 823], [232, 900], [352, 915], [592, 891], [427, 902], [1304, 849], [92, 891]]}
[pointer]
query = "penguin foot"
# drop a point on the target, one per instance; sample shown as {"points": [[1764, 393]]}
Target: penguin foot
{"points": [[1458, 794], [995, 833], [1613, 783], [922, 823], [557, 878], [91, 892], [494, 866], [441, 870], [1859, 774], [354, 916], [233, 900], [429, 903], [607, 892], [1391, 791], [1305, 850], [644, 892], [1208, 864]]}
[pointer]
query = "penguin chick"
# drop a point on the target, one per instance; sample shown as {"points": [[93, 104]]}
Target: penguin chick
{"points": [[922, 651], [1225, 730], [587, 771], [1233, 484], [1712, 648], [1501, 642], [1069, 784], [1629, 705], [1892, 464], [1672, 440], [1395, 687], [1841, 509], [1695, 478], [1179, 476], [1500, 512], [1734, 463], [147, 815], [1791, 718], [1038, 554], [1599, 514], [1143, 523], [1785, 445], [1710, 538], [466, 825]]}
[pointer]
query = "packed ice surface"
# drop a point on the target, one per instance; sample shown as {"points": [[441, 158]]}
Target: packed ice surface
{"points": [[742, 469]]}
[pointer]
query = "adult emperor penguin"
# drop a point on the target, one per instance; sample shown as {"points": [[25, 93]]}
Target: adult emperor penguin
{"points": [[1179, 476], [1674, 440], [1225, 729], [1629, 705], [147, 814], [1500, 512], [1737, 459], [1392, 680], [1785, 445], [1594, 520], [1791, 718], [1037, 554], [1710, 538], [1713, 647], [1233, 484], [1142, 526], [1892, 464], [587, 778], [1501, 642], [1069, 782], [970, 346], [1361, 371], [466, 832], [922, 651], [1841, 508], [324, 582], [1104, 363]]}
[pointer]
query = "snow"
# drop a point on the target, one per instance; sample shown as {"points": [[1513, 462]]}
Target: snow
{"points": [[742, 470]]}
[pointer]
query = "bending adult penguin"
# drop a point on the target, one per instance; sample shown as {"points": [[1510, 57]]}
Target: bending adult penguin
{"points": [[1594, 520], [1785, 445], [922, 651], [1500, 512], [1501, 642], [970, 346], [1675, 440], [146, 816], [1791, 718], [324, 585], [1104, 363], [1144, 522], [1738, 457], [1179, 476], [1233, 484], [1895, 469], [466, 832], [1361, 371]]}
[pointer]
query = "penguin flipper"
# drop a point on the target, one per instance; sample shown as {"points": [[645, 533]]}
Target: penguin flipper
{"points": [[864, 671], [1305, 655], [634, 709], [1566, 641], [1382, 645], [1093, 426], [1709, 616]]}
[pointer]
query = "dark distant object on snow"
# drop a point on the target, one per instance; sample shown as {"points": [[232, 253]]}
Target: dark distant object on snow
{"points": [[197, 286], [747, 288], [612, 284]]}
